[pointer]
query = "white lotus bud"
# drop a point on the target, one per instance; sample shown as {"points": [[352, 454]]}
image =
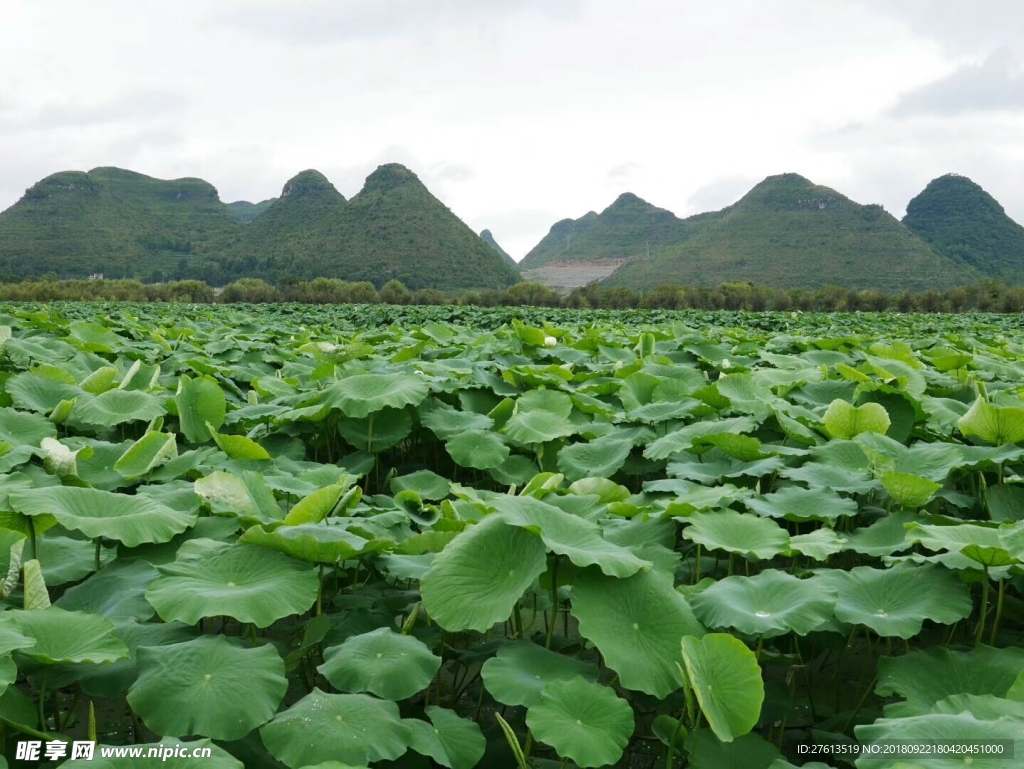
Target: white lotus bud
{"points": [[550, 341], [725, 363]]}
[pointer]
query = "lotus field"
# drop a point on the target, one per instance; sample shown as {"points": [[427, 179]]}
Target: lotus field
{"points": [[380, 536]]}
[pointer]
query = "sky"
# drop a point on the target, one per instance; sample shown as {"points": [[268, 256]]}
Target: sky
{"points": [[519, 113]]}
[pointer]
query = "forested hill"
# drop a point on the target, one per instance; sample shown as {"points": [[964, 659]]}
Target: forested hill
{"points": [[963, 222], [788, 232], [630, 227], [393, 229], [115, 222]]}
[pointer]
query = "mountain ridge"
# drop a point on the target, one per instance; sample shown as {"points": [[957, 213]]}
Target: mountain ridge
{"points": [[788, 232]]}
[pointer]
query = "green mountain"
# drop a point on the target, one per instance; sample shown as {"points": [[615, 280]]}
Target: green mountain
{"points": [[245, 211], [964, 223], [488, 238], [629, 228], [115, 222], [392, 229], [787, 232]]}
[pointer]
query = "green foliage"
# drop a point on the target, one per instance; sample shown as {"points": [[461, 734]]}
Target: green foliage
{"points": [[394, 229], [118, 223], [625, 230], [340, 536], [964, 223], [787, 232]]}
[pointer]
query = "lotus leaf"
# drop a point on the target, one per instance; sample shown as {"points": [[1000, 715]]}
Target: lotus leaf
{"points": [[68, 636], [352, 728], [476, 580], [636, 623], [251, 584], [769, 604], [522, 669], [207, 686], [582, 720], [381, 662], [451, 741]]}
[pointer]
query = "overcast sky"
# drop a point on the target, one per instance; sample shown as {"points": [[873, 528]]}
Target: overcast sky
{"points": [[518, 113]]}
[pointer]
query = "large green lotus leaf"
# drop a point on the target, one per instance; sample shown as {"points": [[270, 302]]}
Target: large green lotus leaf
{"points": [[201, 405], [482, 573], [480, 449], [885, 536], [945, 729], [314, 542], [316, 506], [925, 677], [381, 662], [150, 450], [447, 423], [8, 675], [218, 758], [427, 484], [450, 740], [582, 720], [93, 337], [251, 584], [132, 520], [636, 623], [601, 457], [751, 751], [726, 678], [68, 636], [955, 538], [683, 438], [116, 407], [741, 447], [112, 679], [798, 504], [248, 497], [209, 686], [21, 428], [737, 533], [993, 424], [517, 470], [817, 545], [769, 604], [1005, 502], [363, 394], [897, 601], [529, 428], [352, 728], [521, 670], [378, 432], [238, 446], [982, 706], [115, 592], [576, 538], [67, 559], [909, 491], [40, 394], [844, 420], [819, 474], [550, 402], [11, 637]]}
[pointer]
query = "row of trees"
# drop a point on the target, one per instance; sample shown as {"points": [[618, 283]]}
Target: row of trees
{"points": [[987, 296]]}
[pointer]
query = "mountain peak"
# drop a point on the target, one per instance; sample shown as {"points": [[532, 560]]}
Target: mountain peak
{"points": [[309, 183], [791, 192], [389, 176], [627, 201], [965, 223]]}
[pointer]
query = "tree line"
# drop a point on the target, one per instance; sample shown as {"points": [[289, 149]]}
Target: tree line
{"points": [[987, 296]]}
